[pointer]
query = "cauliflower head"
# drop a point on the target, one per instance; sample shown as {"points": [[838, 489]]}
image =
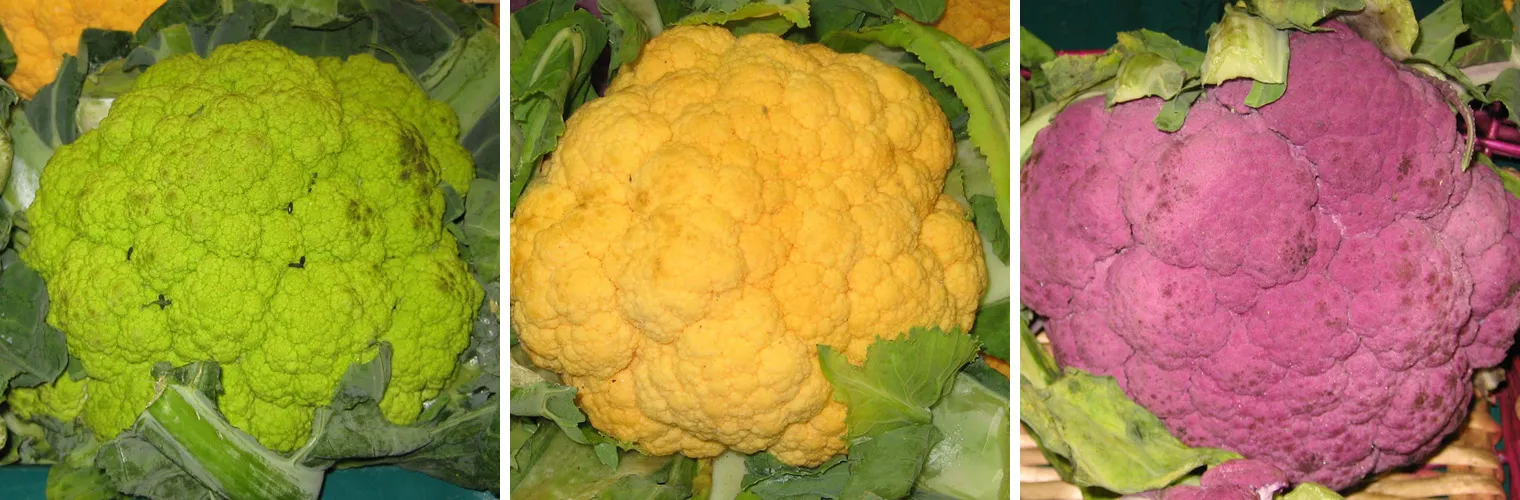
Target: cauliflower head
{"points": [[62, 399], [976, 23], [276, 214], [730, 204], [1310, 283], [42, 31]]}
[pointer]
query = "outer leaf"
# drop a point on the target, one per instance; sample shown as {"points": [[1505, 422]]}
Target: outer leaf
{"points": [[353, 426], [626, 29], [795, 11], [139, 469], [973, 460], [1438, 33], [993, 327], [31, 351], [899, 381], [1483, 51], [555, 63], [1109, 441], [1390, 24], [1245, 46], [924, 11], [886, 465], [768, 478], [465, 450], [986, 97], [1510, 178], [1506, 90], [1033, 52], [468, 78], [552, 401], [1299, 14], [1148, 74], [482, 228], [1175, 111], [1487, 19], [1262, 94]]}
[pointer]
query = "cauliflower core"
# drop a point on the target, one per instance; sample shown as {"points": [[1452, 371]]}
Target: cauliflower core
{"points": [[1310, 283], [274, 213], [729, 205]]}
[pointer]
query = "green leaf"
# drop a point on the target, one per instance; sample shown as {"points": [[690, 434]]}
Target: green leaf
{"points": [[794, 11], [464, 449], [985, 96], [886, 465], [77, 477], [924, 11], [626, 29], [1036, 367], [1245, 46], [1262, 94], [468, 78], [551, 69], [1300, 14], [1311, 491], [1107, 440], [554, 402], [1033, 52], [1148, 74], [1174, 112], [1506, 90], [899, 381], [770, 479], [1509, 177], [992, 329], [1487, 19], [1390, 24], [139, 469], [1071, 75], [1483, 51], [551, 465], [50, 113], [482, 228], [1438, 33], [31, 351], [352, 426], [7, 67], [973, 460], [536, 14]]}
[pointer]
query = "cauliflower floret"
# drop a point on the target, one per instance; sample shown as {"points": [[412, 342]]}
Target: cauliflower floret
{"points": [[730, 204], [1310, 283], [271, 212]]}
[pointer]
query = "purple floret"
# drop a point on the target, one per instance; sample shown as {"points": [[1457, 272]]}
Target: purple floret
{"points": [[1309, 284]]}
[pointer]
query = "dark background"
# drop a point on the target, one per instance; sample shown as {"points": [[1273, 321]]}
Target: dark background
{"points": [[1091, 24]]}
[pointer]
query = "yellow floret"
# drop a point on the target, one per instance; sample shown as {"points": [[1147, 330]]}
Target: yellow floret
{"points": [[42, 31], [730, 204]]}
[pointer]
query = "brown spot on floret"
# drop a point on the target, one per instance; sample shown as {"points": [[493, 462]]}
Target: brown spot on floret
{"points": [[1404, 272], [355, 211], [1404, 167]]}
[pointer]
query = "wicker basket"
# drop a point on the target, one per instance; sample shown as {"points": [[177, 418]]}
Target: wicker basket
{"points": [[1467, 468]]}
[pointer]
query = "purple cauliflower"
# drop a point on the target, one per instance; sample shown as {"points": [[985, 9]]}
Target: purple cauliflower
{"points": [[1310, 284], [1233, 480]]}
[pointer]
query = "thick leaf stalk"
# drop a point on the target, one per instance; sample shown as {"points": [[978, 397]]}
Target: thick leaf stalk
{"points": [[185, 426]]}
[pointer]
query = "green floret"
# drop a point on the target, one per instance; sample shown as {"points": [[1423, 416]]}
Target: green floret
{"points": [[271, 212]]}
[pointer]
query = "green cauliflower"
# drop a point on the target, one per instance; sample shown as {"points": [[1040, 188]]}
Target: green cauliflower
{"points": [[275, 213]]}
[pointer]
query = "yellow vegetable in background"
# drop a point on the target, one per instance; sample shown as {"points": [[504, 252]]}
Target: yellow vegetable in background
{"points": [[726, 207], [976, 22], [42, 31]]}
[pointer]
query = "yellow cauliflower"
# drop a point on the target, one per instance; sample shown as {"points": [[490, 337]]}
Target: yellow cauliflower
{"points": [[42, 31], [976, 22], [729, 205]]}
